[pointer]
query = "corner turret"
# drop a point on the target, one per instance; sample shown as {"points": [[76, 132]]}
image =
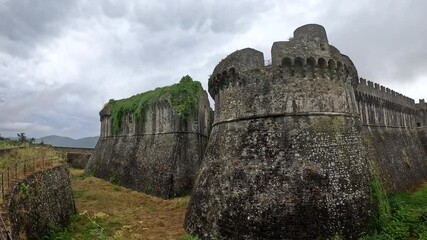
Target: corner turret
{"points": [[310, 51], [239, 61], [285, 146], [312, 34]]}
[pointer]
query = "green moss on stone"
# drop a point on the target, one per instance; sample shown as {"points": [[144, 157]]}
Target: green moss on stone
{"points": [[329, 124], [182, 97]]}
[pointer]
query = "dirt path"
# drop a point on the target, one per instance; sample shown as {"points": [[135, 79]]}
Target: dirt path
{"points": [[128, 214]]}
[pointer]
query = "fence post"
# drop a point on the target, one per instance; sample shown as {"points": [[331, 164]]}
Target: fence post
{"points": [[8, 177], [34, 164], [2, 186], [25, 167], [16, 171]]}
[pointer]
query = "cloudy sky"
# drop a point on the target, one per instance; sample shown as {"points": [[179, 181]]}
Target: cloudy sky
{"points": [[62, 60]]}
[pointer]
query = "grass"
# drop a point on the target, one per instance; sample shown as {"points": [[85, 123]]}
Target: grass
{"points": [[188, 237], [21, 162], [402, 216], [4, 144], [182, 97], [108, 211], [27, 153]]}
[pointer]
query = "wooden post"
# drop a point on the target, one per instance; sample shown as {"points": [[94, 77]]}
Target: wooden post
{"points": [[8, 178], [2, 186], [16, 171], [25, 167]]}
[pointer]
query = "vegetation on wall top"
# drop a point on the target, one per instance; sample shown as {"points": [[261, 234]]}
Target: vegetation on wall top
{"points": [[181, 97]]}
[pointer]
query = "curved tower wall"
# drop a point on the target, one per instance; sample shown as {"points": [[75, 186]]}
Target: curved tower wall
{"points": [[285, 158]]}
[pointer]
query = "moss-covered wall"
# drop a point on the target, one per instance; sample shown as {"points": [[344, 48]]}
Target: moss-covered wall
{"points": [[158, 152], [129, 116]]}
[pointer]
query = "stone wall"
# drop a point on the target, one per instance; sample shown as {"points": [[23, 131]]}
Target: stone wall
{"points": [[162, 157], [380, 106], [285, 158], [397, 155], [396, 148], [422, 134], [78, 160], [41, 201], [74, 150]]}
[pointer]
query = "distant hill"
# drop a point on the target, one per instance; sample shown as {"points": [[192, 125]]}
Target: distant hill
{"points": [[88, 142]]}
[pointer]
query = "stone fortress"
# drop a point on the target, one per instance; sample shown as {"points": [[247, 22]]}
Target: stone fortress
{"points": [[296, 144], [159, 153], [290, 153]]}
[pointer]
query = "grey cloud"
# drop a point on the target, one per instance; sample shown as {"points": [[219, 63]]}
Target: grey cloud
{"points": [[3, 84], [23, 126], [115, 8], [64, 110], [386, 39], [24, 23], [217, 16]]}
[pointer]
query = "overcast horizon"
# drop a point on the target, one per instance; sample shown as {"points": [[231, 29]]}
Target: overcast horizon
{"points": [[61, 61]]}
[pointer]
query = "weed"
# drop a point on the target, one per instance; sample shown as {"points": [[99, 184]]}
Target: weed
{"points": [[189, 237], [82, 227], [379, 196], [114, 178], [404, 217], [89, 173], [23, 189]]}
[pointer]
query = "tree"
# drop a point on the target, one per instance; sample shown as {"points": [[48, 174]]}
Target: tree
{"points": [[21, 137]]}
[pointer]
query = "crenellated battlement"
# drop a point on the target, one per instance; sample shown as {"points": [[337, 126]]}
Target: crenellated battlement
{"points": [[382, 107], [311, 68], [228, 73], [306, 56], [375, 90]]}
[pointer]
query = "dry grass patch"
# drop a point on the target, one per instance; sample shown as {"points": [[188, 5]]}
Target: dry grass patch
{"points": [[125, 214]]}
